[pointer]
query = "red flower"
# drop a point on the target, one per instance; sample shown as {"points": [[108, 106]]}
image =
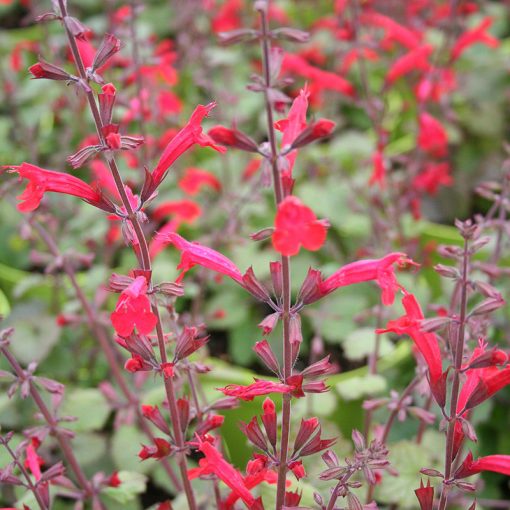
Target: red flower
{"points": [[425, 495], [380, 270], [196, 254], [321, 79], [296, 225], [298, 469], [394, 31], [474, 36], [433, 176], [134, 309], [432, 137], [195, 179], [495, 463], [410, 324], [228, 16], [416, 59], [181, 210], [188, 136], [160, 449], [42, 180], [256, 389], [214, 463], [379, 169], [232, 137]]}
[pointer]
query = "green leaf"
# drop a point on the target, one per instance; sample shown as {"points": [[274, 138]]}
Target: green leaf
{"points": [[89, 406], [359, 387], [361, 342], [125, 447], [131, 485], [5, 307]]}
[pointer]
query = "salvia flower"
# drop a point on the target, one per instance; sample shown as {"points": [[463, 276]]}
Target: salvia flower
{"points": [[381, 270], [416, 59], [232, 137], [188, 136], [153, 414], [258, 388], [134, 309], [45, 70], [432, 137], [425, 495], [195, 179], [476, 35], [495, 463], [296, 225], [160, 449], [42, 181]]}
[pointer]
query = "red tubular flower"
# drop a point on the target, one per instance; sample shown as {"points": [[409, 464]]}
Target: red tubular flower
{"points": [[256, 389], [296, 225], [188, 136], [474, 36], [410, 324], [432, 137], [298, 469], [433, 176], [380, 270], [414, 60], [232, 138], [196, 254], [182, 210], [379, 169], [134, 309], [214, 463], [394, 31], [293, 125], [425, 495], [495, 463], [41, 181], [490, 381], [319, 78], [194, 179]]}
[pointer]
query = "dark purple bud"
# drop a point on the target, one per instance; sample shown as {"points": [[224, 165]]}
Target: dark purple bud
{"points": [[254, 287], [225, 403], [265, 353], [488, 305], [54, 471], [359, 440], [238, 36], [330, 458], [310, 289], [353, 503], [447, 271], [169, 289], [254, 433], [466, 486], [109, 46], [431, 472], [487, 289], [262, 235], [295, 334], [277, 278], [450, 252], [269, 322], [434, 324], [479, 244], [468, 430], [422, 414]]}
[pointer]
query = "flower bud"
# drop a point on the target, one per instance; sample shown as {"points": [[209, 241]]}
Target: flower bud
{"points": [[316, 131], [290, 34], [233, 138]]}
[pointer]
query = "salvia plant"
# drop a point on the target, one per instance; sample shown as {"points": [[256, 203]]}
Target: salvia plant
{"points": [[375, 338]]}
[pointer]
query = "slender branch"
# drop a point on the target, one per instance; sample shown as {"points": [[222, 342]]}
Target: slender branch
{"points": [[144, 259], [279, 195], [458, 350], [62, 439], [105, 344]]}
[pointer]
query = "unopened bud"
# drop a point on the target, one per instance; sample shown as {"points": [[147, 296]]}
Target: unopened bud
{"points": [[290, 34]]}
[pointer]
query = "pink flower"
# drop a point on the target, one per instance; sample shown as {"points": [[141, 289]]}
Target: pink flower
{"points": [[476, 35], [410, 324], [42, 181], [258, 388], [134, 309], [197, 254], [432, 137], [296, 225], [380, 270], [194, 179], [188, 136]]}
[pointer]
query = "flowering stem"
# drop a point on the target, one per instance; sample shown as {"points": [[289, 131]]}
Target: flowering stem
{"points": [[25, 474], [145, 262], [62, 439], [458, 350], [104, 342], [278, 190]]}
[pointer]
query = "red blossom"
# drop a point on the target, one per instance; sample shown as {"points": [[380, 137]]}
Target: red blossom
{"points": [[134, 309], [415, 60], [432, 137], [379, 169], [181, 210], [296, 225], [193, 254], [258, 388], [425, 495], [380, 270], [432, 177], [495, 463], [161, 448], [188, 136], [474, 36], [427, 344], [194, 179], [42, 181], [394, 30]]}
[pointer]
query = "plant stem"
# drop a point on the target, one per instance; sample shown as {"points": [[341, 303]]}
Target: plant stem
{"points": [[279, 195], [25, 474], [105, 344], [62, 439], [144, 260], [458, 350]]}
